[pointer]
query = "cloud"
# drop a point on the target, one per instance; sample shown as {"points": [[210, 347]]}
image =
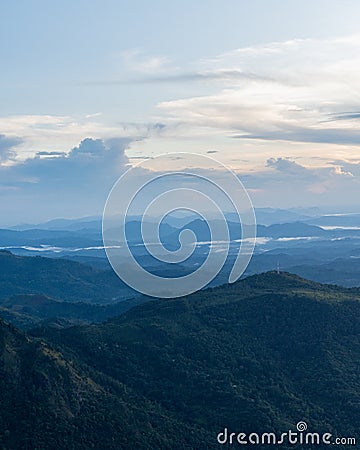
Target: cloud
{"points": [[352, 169], [223, 76], [50, 154], [54, 184], [298, 98], [54, 133], [289, 167], [345, 116], [138, 67], [340, 136], [135, 60], [76, 183], [284, 182], [294, 91], [7, 145], [93, 161]]}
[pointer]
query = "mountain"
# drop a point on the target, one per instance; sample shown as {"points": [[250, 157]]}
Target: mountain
{"points": [[285, 230], [337, 220], [133, 230], [255, 356], [341, 270], [265, 216], [59, 238], [93, 222], [270, 216], [49, 401], [29, 310], [86, 235], [60, 279]]}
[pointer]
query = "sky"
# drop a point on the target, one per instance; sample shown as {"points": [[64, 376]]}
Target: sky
{"points": [[87, 88]]}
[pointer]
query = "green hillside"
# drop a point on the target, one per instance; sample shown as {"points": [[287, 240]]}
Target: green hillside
{"points": [[50, 402], [259, 355], [60, 279], [26, 311]]}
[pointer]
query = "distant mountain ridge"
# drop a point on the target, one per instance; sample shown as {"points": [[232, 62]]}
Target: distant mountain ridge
{"points": [[265, 216], [59, 279], [29, 310], [92, 237]]}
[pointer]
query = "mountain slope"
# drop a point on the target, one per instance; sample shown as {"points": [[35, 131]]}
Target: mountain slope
{"points": [[258, 355], [60, 238], [60, 279], [27, 311], [50, 402]]}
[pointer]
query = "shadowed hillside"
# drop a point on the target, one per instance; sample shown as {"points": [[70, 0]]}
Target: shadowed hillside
{"points": [[257, 355], [59, 278], [49, 401]]}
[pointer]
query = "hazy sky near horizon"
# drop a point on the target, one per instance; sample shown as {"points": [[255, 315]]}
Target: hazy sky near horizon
{"points": [[269, 88]]}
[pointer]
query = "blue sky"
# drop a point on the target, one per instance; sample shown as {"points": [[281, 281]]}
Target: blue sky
{"points": [[271, 86]]}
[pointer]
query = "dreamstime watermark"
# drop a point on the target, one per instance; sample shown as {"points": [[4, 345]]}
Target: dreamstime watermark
{"points": [[290, 437], [168, 184]]}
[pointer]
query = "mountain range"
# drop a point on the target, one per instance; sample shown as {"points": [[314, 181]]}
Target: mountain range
{"points": [[259, 355], [59, 279]]}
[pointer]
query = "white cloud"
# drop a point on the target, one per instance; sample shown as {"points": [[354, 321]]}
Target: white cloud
{"points": [[71, 183], [36, 133], [298, 90], [299, 98], [136, 60], [7, 148], [284, 182]]}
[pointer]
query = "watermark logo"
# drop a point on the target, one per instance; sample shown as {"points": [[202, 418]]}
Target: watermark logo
{"points": [[177, 183], [301, 426], [290, 437]]}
